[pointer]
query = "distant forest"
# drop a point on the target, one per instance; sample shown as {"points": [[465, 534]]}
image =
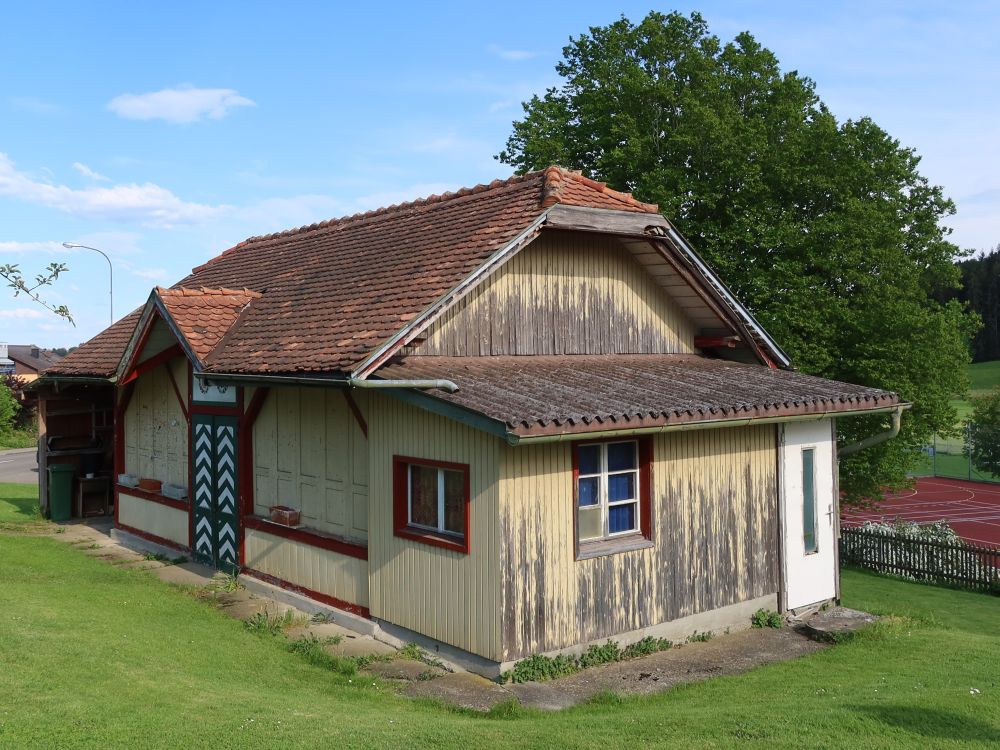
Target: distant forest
{"points": [[981, 289]]}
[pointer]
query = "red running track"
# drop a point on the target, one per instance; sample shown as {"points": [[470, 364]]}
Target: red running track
{"points": [[971, 508]]}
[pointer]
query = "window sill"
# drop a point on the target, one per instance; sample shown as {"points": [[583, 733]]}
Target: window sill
{"points": [[445, 541], [154, 497], [308, 536], [602, 547]]}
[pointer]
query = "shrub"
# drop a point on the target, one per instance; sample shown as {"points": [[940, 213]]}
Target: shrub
{"points": [[766, 618], [8, 409]]}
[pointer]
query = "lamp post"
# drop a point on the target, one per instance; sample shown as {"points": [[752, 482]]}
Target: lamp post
{"points": [[111, 272]]}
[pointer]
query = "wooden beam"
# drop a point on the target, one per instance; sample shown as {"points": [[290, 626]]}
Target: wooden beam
{"points": [[607, 221], [180, 398], [716, 342], [356, 411], [152, 363]]}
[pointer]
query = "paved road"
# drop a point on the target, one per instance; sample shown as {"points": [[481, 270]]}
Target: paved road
{"points": [[19, 465]]}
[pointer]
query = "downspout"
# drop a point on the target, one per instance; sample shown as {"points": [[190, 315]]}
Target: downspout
{"points": [[444, 385], [868, 442], [440, 384]]}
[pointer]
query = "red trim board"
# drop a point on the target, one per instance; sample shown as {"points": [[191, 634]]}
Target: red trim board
{"points": [[151, 537], [311, 538], [333, 601], [400, 509]]}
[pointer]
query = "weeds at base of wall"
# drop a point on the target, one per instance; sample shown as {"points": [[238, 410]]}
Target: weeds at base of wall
{"points": [[697, 637], [766, 618], [538, 668]]}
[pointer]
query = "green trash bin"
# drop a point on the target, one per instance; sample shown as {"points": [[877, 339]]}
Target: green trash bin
{"points": [[61, 491]]}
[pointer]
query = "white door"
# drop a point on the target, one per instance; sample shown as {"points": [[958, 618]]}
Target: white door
{"points": [[808, 512]]}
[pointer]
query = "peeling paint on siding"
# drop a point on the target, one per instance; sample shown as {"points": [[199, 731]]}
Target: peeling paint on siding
{"points": [[566, 293], [715, 516]]}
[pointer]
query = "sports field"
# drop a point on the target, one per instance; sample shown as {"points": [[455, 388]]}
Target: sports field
{"points": [[971, 508]]}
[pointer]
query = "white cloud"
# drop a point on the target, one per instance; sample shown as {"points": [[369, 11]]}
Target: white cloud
{"points": [[35, 106], [152, 274], [147, 204], [89, 173], [183, 104], [31, 247], [23, 313], [513, 55]]}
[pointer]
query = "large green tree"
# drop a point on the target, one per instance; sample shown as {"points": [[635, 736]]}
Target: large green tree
{"points": [[826, 230]]}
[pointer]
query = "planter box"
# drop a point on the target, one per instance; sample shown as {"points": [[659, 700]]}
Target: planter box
{"points": [[284, 515], [175, 491], [151, 485], [128, 480]]}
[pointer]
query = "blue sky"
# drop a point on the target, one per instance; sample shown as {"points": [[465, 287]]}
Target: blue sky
{"points": [[165, 133]]}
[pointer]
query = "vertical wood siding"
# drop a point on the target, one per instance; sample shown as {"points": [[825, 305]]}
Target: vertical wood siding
{"points": [[310, 454], [325, 571], [156, 432], [153, 518], [446, 595], [714, 530], [565, 293]]}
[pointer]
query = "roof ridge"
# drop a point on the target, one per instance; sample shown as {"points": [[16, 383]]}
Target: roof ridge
{"points": [[186, 291], [395, 207], [554, 180], [554, 177]]}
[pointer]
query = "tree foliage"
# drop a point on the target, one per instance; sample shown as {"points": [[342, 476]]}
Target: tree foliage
{"points": [[11, 273], [981, 291], [826, 230], [984, 432], [8, 409]]}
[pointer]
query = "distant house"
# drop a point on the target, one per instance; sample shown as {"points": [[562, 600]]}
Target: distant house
{"points": [[514, 419], [25, 361]]}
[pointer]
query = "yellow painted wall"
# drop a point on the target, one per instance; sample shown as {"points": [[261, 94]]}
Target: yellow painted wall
{"points": [[156, 433], [566, 293], [310, 454], [715, 532], [443, 594], [327, 572], [153, 518]]}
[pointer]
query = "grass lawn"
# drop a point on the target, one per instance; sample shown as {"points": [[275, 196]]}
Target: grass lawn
{"points": [[96, 656], [984, 375]]}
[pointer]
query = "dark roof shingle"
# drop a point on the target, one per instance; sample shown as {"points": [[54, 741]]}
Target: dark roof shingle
{"points": [[588, 393]]}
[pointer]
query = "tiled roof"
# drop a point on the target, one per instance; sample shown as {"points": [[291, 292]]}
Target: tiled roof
{"points": [[99, 357], [583, 393], [25, 354], [204, 316]]}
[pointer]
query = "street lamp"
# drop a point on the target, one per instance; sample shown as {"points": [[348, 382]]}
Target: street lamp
{"points": [[111, 272]]}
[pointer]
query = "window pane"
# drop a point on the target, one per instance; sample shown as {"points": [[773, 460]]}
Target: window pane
{"points": [[589, 523], [587, 493], [589, 459], [454, 501], [423, 495], [621, 456], [808, 501], [621, 518], [621, 487]]}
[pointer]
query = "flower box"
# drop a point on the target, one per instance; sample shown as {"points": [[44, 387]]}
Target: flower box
{"points": [[128, 480], [284, 515], [150, 485], [175, 491]]}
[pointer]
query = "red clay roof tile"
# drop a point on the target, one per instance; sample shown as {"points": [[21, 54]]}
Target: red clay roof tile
{"points": [[331, 293]]}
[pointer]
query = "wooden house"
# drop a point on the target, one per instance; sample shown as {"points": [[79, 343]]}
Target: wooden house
{"points": [[515, 419]]}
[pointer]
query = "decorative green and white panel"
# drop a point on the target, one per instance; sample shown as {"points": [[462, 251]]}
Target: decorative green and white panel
{"points": [[216, 504]]}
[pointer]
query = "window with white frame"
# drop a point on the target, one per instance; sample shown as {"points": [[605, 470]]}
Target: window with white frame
{"points": [[607, 490]]}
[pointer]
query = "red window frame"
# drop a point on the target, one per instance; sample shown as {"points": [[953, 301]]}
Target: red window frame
{"points": [[645, 448], [401, 510]]}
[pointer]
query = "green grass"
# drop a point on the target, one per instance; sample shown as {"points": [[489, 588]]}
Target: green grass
{"points": [[984, 375], [96, 656], [18, 439]]}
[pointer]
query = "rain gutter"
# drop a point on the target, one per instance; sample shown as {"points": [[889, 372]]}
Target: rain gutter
{"points": [[868, 442], [701, 425]]}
